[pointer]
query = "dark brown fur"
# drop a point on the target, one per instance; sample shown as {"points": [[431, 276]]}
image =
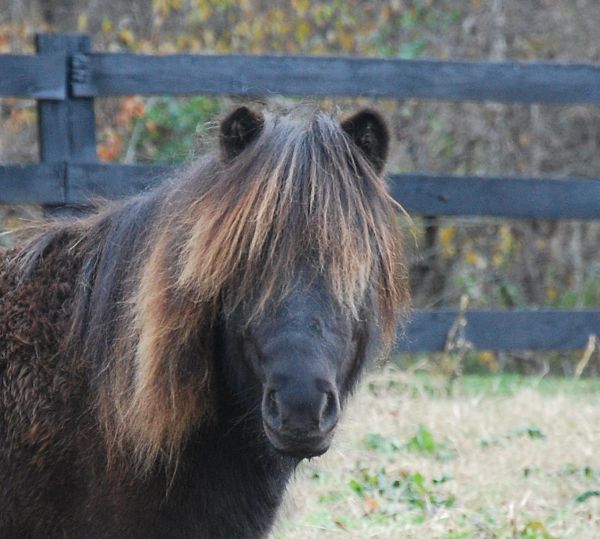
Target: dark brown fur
{"points": [[109, 328], [42, 394]]}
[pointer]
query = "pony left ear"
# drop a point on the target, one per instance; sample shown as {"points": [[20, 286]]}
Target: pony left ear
{"points": [[369, 131], [238, 130]]}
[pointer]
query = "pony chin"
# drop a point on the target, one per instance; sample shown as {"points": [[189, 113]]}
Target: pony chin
{"points": [[299, 447]]}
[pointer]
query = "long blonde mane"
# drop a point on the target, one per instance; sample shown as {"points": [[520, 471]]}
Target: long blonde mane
{"points": [[160, 271]]}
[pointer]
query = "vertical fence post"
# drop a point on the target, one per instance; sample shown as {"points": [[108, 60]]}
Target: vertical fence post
{"points": [[66, 129]]}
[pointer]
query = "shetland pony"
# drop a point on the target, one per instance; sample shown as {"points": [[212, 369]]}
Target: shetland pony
{"points": [[167, 362]]}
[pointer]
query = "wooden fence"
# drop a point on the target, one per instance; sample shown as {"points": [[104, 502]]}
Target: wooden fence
{"points": [[65, 77]]}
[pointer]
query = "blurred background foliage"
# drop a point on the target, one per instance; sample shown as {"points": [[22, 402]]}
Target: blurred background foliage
{"points": [[492, 263]]}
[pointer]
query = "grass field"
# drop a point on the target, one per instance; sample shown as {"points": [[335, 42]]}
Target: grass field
{"points": [[489, 457]]}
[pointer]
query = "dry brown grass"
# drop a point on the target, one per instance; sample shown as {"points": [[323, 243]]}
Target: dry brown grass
{"points": [[515, 456]]}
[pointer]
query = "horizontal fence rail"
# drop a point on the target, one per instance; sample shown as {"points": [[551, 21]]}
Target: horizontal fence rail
{"points": [[545, 329], [34, 77], [518, 198], [65, 77], [101, 75], [109, 74], [419, 194], [42, 183]]}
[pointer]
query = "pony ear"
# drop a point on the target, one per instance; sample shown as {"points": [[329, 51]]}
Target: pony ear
{"points": [[238, 130], [369, 131]]}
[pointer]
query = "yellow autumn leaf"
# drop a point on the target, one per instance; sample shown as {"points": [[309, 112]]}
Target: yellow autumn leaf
{"points": [[346, 41], [551, 293], [301, 6], [161, 7], [488, 358], [497, 260], [447, 235], [205, 10], [303, 32], [126, 37], [182, 42], [243, 29], [472, 258], [82, 22], [107, 25], [258, 31], [506, 239]]}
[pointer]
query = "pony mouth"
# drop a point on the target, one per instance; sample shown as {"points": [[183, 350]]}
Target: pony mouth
{"points": [[300, 447]]}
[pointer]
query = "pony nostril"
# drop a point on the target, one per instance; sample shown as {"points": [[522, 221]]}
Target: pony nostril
{"points": [[329, 411], [272, 415], [272, 402]]}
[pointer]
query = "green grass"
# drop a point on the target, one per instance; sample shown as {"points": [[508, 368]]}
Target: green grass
{"points": [[486, 385], [484, 456], [509, 384]]}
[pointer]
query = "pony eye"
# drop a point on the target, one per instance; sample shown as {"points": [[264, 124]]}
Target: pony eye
{"points": [[316, 326]]}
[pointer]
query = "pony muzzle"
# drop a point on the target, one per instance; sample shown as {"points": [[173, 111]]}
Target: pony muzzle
{"points": [[299, 420]]}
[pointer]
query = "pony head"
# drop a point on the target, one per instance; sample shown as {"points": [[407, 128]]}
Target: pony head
{"points": [[257, 285], [316, 275]]}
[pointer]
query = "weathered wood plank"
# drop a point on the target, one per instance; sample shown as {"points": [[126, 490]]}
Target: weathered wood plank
{"points": [[539, 198], [523, 198], [248, 75], [87, 182], [33, 77], [33, 184], [503, 330], [66, 128]]}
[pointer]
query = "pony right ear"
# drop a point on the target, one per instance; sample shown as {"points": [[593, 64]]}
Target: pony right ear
{"points": [[238, 130], [369, 131]]}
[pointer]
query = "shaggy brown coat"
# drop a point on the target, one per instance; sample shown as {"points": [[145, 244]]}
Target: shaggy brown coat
{"points": [[107, 324]]}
